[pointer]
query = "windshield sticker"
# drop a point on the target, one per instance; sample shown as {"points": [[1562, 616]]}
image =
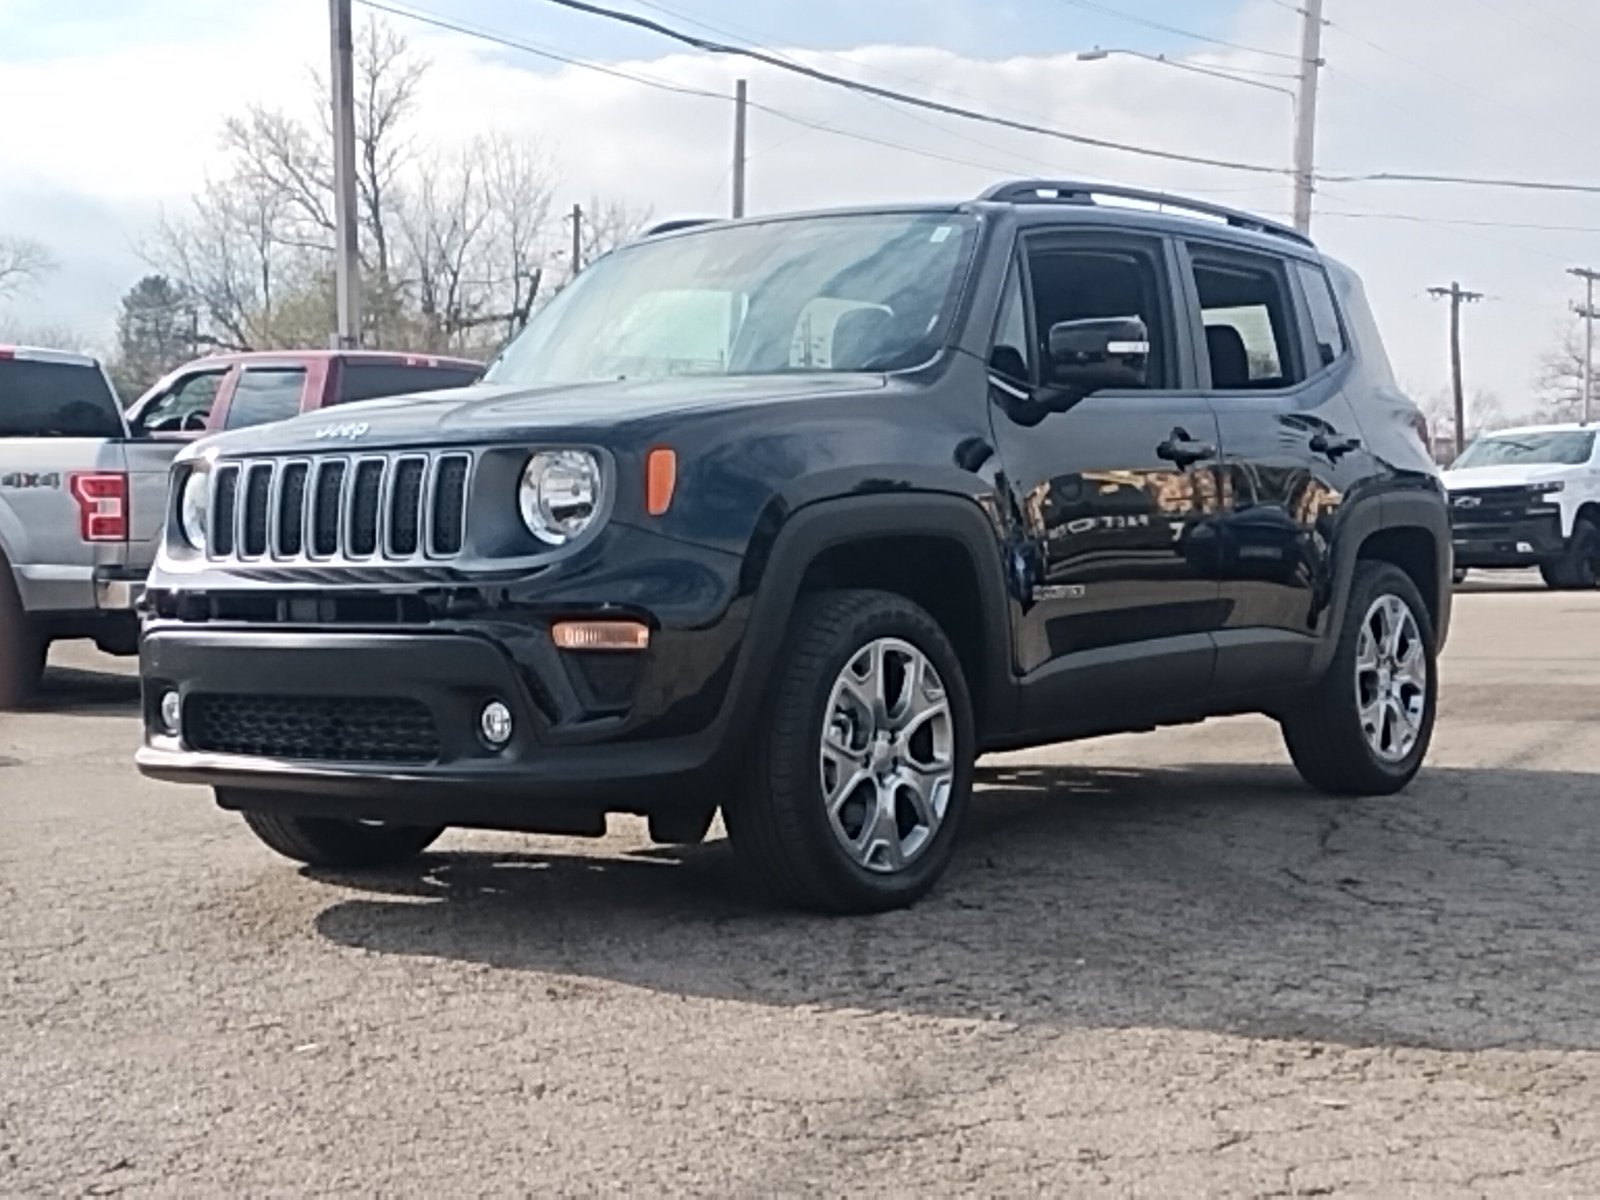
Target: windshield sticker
{"points": [[940, 234]]}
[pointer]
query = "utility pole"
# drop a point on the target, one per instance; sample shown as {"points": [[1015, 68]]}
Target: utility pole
{"points": [[347, 258], [1457, 298], [577, 239], [1588, 314], [1305, 115], [741, 106]]}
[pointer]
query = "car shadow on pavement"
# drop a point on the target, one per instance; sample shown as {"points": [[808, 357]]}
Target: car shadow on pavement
{"points": [[1217, 898], [72, 691]]}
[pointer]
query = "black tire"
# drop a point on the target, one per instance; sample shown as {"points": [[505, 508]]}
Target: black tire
{"points": [[1575, 570], [1325, 735], [1458, 576], [22, 646], [347, 845], [778, 822]]}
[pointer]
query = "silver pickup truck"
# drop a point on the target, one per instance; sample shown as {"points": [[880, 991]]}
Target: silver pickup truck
{"points": [[83, 485], [81, 501]]}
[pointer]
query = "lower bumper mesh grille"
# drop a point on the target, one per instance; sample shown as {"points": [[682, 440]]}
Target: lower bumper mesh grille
{"points": [[312, 729]]}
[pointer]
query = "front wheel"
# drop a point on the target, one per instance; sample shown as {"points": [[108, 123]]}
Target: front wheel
{"points": [[862, 767], [340, 844], [1575, 570], [1365, 729]]}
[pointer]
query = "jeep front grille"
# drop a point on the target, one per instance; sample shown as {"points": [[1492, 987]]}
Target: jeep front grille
{"points": [[366, 508]]}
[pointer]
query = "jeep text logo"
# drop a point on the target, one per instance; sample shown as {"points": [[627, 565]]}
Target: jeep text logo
{"points": [[349, 432]]}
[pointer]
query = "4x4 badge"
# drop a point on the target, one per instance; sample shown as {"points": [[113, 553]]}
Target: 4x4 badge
{"points": [[350, 432]]}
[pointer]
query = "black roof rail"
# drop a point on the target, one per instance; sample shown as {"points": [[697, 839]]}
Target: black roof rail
{"points": [[680, 223], [1054, 191]]}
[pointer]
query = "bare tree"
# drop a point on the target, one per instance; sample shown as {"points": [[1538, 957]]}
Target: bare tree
{"points": [[23, 262], [1560, 386], [1485, 414], [609, 225], [453, 245]]}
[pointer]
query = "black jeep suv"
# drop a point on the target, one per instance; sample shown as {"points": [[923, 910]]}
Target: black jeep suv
{"points": [[794, 518]]}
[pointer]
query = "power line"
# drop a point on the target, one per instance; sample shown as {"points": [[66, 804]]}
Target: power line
{"points": [[1118, 14], [949, 110], [1529, 185]]}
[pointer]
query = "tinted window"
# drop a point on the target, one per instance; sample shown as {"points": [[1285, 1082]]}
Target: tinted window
{"points": [[45, 399], [1010, 355], [1248, 325], [263, 396], [1081, 285], [1324, 313], [373, 381]]}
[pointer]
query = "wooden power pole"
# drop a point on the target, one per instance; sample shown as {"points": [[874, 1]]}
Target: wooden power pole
{"points": [[1588, 314], [741, 106], [1457, 297], [577, 239], [347, 256]]}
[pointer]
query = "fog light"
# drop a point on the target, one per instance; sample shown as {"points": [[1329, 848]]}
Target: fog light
{"points": [[495, 724], [171, 713], [1524, 547]]}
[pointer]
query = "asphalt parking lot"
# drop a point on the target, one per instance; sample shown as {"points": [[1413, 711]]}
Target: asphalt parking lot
{"points": [[1158, 967]]}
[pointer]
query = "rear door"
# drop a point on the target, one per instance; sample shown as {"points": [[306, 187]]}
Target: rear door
{"points": [[1275, 361], [63, 490]]}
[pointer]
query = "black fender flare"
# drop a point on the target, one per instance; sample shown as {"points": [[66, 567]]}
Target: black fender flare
{"points": [[821, 526], [1358, 523]]}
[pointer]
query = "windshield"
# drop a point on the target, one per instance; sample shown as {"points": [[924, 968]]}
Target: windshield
{"points": [[1567, 448], [869, 292]]}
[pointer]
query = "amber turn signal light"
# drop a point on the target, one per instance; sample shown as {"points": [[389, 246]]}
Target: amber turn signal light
{"points": [[660, 477], [600, 635]]}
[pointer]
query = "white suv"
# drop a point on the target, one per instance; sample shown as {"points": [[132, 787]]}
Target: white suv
{"points": [[1529, 497]]}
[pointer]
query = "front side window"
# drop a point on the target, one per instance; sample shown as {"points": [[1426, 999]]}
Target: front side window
{"points": [[264, 395], [185, 406], [1088, 284], [1567, 448], [1249, 327], [1010, 356], [869, 292]]}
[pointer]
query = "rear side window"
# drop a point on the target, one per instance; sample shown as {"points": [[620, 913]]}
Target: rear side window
{"points": [[1249, 324], [265, 395], [46, 399], [1324, 313], [373, 381]]}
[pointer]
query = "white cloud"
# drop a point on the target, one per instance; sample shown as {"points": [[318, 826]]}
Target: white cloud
{"points": [[115, 132]]}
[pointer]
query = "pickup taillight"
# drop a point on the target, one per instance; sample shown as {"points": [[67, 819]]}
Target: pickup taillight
{"points": [[102, 498]]}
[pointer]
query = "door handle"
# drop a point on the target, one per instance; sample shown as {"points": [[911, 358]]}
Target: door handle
{"points": [[1181, 449], [1334, 446]]}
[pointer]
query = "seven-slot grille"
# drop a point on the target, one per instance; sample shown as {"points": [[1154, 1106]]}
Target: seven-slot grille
{"points": [[393, 507]]}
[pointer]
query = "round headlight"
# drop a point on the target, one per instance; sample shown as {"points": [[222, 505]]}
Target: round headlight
{"points": [[560, 494], [194, 506]]}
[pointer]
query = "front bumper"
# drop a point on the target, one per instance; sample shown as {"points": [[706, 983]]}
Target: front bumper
{"points": [[308, 728], [1523, 541]]}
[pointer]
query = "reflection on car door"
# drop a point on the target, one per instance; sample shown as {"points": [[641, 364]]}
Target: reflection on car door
{"points": [[1276, 356], [1117, 606]]}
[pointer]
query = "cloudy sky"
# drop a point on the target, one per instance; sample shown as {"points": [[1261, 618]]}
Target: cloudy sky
{"points": [[112, 113]]}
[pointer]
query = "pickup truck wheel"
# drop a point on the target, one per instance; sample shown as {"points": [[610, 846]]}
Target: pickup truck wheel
{"points": [[1458, 576], [22, 646], [1365, 729], [1575, 571], [331, 842], [862, 767]]}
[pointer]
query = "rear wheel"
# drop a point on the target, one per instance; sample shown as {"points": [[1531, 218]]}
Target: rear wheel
{"points": [[333, 842], [1365, 729], [1575, 570], [862, 767], [22, 646]]}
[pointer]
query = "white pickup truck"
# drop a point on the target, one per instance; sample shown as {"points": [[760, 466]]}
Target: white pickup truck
{"points": [[81, 501], [1529, 497]]}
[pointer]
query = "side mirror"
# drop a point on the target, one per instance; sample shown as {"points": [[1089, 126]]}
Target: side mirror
{"points": [[1099, 353]]}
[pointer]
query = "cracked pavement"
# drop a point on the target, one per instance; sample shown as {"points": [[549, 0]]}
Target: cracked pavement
{"points": [[1159, 967]]}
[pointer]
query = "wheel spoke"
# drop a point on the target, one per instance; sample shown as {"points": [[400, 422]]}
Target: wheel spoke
{"points": [[881, 835], [924, 783], [925, 699]]}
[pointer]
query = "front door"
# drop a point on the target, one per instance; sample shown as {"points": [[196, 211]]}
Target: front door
{"points": [[1277, 358], [1117, 604]]}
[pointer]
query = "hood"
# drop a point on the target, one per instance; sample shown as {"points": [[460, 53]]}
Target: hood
{"points": [[504, 412], [1508, 475]]}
